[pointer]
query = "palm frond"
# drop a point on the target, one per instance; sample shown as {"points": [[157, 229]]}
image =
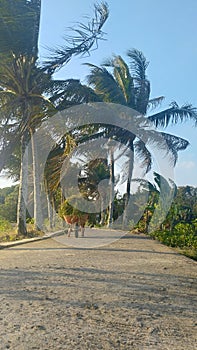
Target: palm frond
{"points": [[174, 114], [70, 93], [175, 144], [155, 102], [82, 41], [143, 154], [138, 66], [124, 80], [8, 145], [108, 62], [142, 95], [19, 27], [124, 172], [56, 86], [105, 85], [138, 63], [167, 187], [146, 185]]}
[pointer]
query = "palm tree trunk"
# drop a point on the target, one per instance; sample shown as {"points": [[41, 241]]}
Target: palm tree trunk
{"points": [[128, 191], [21, 207], [38, 217], [62, 201], [112, 181], [50, 212], [102, 194], [54, 213], [102, 217], [49, 206]]}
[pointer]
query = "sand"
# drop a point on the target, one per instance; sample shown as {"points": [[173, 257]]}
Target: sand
{"points": [[131, 294]]}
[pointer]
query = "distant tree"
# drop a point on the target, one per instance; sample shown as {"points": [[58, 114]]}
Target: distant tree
{"points": [[8, 205], [183, 209], [91, 175]]}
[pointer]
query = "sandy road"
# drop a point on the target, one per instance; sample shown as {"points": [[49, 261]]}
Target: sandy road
{"points": [[131, 294]]}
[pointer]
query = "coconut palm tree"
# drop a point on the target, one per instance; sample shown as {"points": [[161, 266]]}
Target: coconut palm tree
{"points": [[127, 84], [22, 86], [22, 21], [22, 102], [93, 173], [160, 194]]}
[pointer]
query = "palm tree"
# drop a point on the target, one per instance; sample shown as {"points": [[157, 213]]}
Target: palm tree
{"points": [[160, 195], [19, 28], [115, 81], [95, 171], [112, 182], [23, 83]]}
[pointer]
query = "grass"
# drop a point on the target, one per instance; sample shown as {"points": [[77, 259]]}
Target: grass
{"points": [[190, 253], [8, 232], [183, 242]]}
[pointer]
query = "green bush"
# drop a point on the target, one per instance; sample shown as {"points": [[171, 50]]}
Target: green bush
{"points": [[183, 236], [5, 225]]}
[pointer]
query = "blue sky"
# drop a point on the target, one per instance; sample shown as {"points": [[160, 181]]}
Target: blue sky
{"points": [[165, 31]]}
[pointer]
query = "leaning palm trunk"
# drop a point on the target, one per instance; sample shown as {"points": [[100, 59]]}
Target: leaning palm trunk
{"points": [[21, 208], [38, 217]]}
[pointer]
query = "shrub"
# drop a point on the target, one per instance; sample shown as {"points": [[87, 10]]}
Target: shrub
{"points": [[5, 225], [183, 236]]}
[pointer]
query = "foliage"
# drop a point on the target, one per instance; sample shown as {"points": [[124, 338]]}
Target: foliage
{"points": [[5, 225], [82, 41], [179, 229], [182, 236], [25, 83], [68, 209], [19, 23], [127, 84], [8, 203], [115, 81], [92, 174], [183, 208]]}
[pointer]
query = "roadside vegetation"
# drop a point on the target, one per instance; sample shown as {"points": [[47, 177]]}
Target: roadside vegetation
{"points": [[178, 230], [29, 95]]}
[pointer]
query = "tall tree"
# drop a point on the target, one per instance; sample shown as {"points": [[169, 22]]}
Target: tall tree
{"points": [[127, 84], [19, 53], [19, 27], [90, 177], [22, 86]]}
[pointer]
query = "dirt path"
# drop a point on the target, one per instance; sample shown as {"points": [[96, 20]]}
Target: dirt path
{"points": [[132, 294]]}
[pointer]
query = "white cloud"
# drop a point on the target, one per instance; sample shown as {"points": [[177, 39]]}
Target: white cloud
{"points": [[186, 173], [186, 165]]}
